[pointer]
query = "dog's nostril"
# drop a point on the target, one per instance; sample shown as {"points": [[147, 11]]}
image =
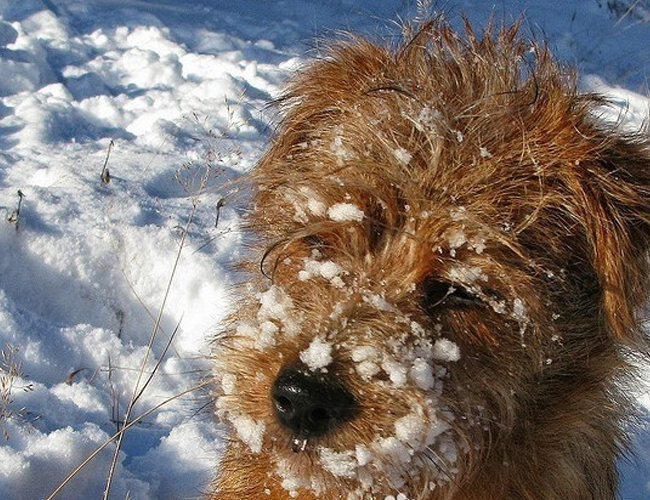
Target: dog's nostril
{"points": [[310, 405]]}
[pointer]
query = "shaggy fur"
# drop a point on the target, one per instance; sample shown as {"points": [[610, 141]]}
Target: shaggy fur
{"points": [[452, 260]]}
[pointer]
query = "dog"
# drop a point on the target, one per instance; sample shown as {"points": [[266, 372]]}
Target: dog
{"points": [[444, 297]]}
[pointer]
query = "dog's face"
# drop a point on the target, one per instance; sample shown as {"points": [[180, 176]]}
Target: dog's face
{"points": [[450, 249]]}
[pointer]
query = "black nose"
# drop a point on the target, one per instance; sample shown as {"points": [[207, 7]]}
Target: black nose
{"points": [[310, 405]]}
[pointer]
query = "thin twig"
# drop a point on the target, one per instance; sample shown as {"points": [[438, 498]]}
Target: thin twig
{"points": [[118, 434], [151, 315], [14, 217], [137, 390], [220, 205], [106, 175]]}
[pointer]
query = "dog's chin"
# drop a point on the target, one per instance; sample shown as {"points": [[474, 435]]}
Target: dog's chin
{"points": [[303, 473], [324, 469]]}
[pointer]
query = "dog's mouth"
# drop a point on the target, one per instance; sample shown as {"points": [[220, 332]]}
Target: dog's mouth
{"points": [[298, 445], [383, 466]]}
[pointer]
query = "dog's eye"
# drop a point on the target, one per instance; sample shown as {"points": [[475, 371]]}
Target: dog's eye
{"points": [[314, 241], [436, 293]]}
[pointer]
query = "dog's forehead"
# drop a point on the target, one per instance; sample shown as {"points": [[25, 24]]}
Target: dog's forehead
{"points": [[494, 162], [476, 132]]}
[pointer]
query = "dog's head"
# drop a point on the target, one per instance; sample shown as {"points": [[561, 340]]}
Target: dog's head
{"points": [[453, 257]]}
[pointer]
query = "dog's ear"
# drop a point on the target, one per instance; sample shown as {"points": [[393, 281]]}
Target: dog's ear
{"points": [[616, 210]]}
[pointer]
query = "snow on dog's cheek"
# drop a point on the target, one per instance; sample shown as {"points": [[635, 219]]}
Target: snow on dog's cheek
{"points": [[251, 432], [340, 464]]}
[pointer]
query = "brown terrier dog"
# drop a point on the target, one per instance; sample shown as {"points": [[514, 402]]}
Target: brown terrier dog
{"points": [[453, 254]]}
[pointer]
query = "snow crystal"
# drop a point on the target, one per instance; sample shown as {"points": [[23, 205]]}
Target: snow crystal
{"points": [[411, 429], [520, 314], [299, 212], [418, 330], [446, 350], [485, 153], [326, 269], [275, 304], [499, 306], [340, 464], [338, 149], [367, 370], [365, 358], [290, 483], [428, 119], [478, 243], [379, 303], [396, 372], [421, 374], [456, 238], [395, 449], [343, 212], [251, 432], [262, 336], [363, 455], [467, 275], [519, 310], [363, 353], [228, 383], [265, 337], [314, 204], [400, 496], [318, 355], [275, 312], [458, 214], [304, 200], [338, 309], [403, 156], [337, 282]]}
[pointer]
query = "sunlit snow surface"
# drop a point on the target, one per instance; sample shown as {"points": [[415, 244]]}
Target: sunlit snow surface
{"points": [[174, 94]]}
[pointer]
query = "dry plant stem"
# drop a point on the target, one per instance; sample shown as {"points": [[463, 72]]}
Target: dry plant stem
{"points": [[118, 434], [105, 175], [14, 217], [137, 390], [10, 372], [140, 301]]}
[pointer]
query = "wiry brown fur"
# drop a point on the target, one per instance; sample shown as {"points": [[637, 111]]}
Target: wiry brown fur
{"points": [[478, 165]]}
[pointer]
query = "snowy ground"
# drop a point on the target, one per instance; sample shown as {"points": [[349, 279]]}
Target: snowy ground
{"points": [[174, 94]]}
